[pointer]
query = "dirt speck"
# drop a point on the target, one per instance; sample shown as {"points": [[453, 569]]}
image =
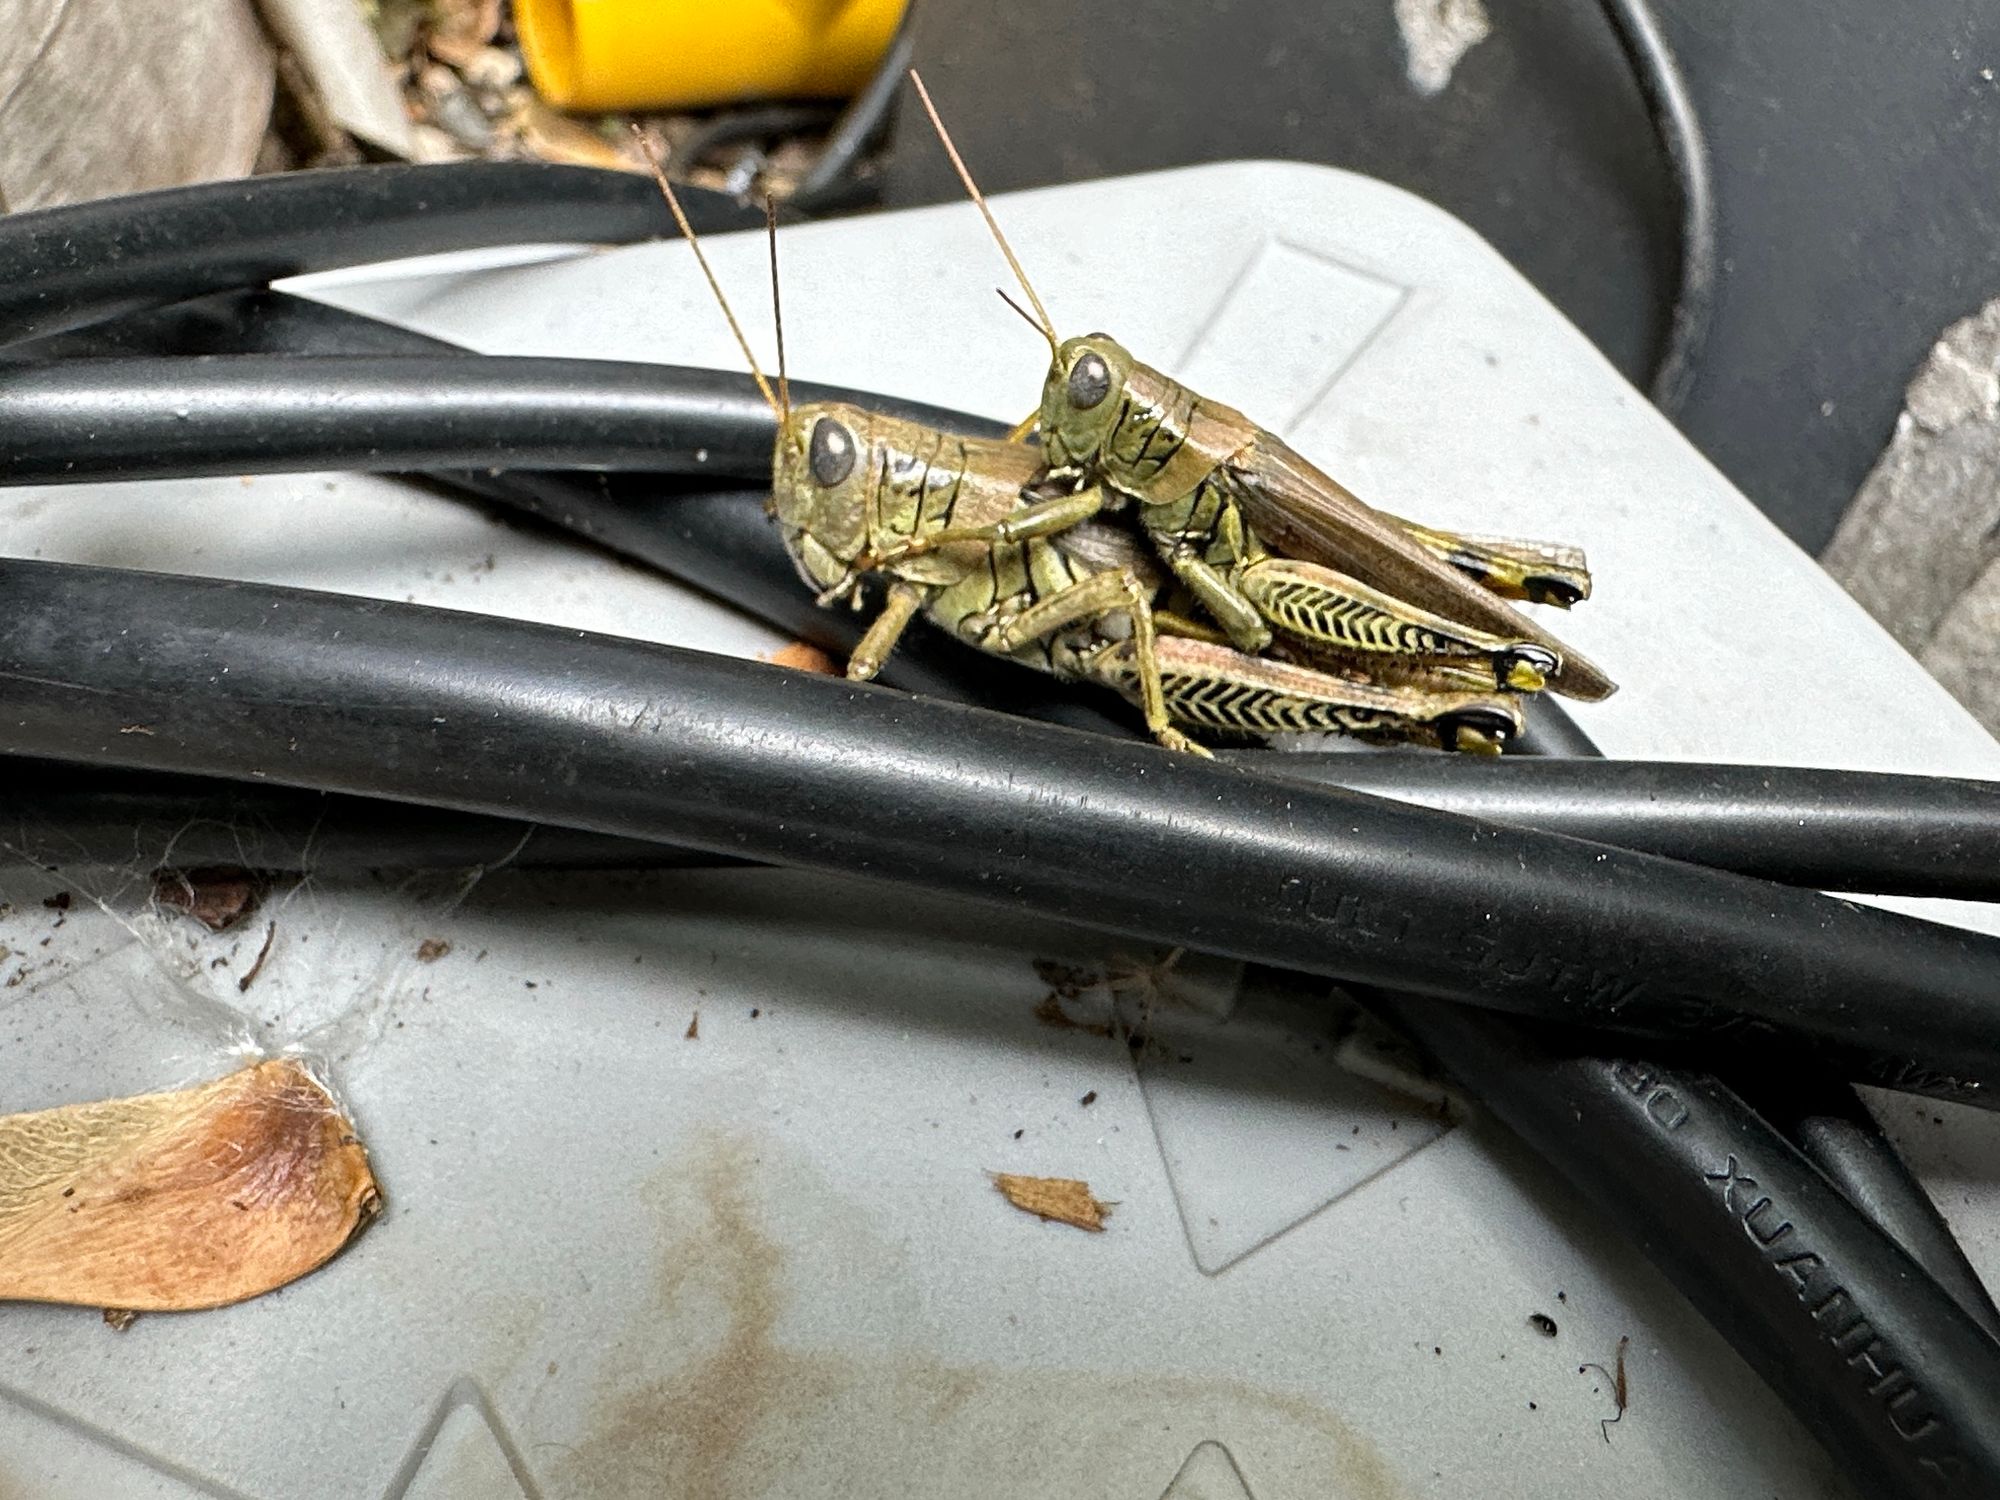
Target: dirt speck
{"points": [[118, 1319], [1088, 1099], [430, 950], [693, 1033]]}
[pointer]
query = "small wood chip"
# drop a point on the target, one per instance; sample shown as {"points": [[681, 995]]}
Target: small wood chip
{"points": [[190, 1199], [1066, 1200], [693, 1033], [802, 657]]}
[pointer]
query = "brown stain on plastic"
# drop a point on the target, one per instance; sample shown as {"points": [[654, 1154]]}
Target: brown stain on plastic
{"points": [[745, 1415]]}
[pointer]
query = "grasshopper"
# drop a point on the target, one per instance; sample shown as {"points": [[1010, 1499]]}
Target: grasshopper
{"points": [[1265, 542], [950, 523]]}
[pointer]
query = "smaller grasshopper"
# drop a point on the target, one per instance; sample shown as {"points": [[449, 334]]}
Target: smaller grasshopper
{"points": [[944, 519], [1265, 541]]}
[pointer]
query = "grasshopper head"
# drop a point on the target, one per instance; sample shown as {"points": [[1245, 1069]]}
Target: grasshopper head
{"points": [[820, 474], [1082, 398]]}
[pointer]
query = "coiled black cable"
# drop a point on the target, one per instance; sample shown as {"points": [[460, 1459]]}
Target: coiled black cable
{"points": [[1678, 127], [82, 263], [617, 736], [1830, 830], [1870, 1354]]}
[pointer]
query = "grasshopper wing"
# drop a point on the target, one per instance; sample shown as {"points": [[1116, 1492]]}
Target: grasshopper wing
{"points": [[1306, 514]]}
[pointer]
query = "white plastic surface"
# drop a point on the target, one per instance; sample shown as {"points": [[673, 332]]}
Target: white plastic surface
{"points": [[769, 1262]]}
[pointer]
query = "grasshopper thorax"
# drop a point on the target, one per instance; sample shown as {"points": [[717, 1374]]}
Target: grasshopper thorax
{"points": [[820, 476], [1083, 399]]}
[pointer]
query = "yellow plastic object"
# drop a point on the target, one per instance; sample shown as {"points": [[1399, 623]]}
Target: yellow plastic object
{"points": [[658, 54]]}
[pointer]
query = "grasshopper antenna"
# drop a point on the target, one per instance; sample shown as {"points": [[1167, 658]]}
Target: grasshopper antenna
{"points": [[777, 309], [1026, 316], [1042, 322], [680, 217]]}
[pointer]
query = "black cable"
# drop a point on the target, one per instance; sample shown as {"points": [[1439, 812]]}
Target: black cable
{"points": [[159, 418], [1491, 1073], [1869, 1353], [828, 183], [82, 263], [1836, 1132], [1678, 127], [1829, 830], [74, 817], [616, 736], [718, 541], [1824, 1117]]}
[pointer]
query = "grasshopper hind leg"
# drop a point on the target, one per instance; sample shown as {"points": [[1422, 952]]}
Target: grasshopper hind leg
{"points": [[1328, 609], [1221, 690]]}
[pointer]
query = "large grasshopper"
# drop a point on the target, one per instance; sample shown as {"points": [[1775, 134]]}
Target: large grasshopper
{"points": [[1264, 541], [946, 521]]}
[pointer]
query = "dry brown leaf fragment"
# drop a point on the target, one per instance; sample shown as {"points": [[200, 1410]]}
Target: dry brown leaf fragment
{"points": [[190, 1199], [458, 29], [430, 950], [1066, 1200], [549, 136], [214, 896], [693, 1033], [802, 656]]}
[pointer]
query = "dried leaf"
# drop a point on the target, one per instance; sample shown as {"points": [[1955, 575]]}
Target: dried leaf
{"points": [[460, 28], [552, 137], [430, 950], [182, 1200], [216, 897], [1063, 1199], [802, 656]]}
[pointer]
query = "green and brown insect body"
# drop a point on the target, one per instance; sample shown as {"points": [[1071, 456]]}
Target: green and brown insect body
{"points": [[1159, 446], [1261, 538], [1218, 493], [942, 518]]}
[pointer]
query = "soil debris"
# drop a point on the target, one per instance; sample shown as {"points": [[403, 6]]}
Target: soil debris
{"points": [[1065, 1200], [430, 950], [693, 1033]]}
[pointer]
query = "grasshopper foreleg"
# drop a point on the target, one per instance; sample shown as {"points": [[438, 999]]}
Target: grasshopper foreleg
{"points": [[1043, 518], [904, 600]]}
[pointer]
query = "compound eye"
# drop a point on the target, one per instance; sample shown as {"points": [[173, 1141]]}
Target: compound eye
{"points": [[831, 452], [1089, 382]]}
